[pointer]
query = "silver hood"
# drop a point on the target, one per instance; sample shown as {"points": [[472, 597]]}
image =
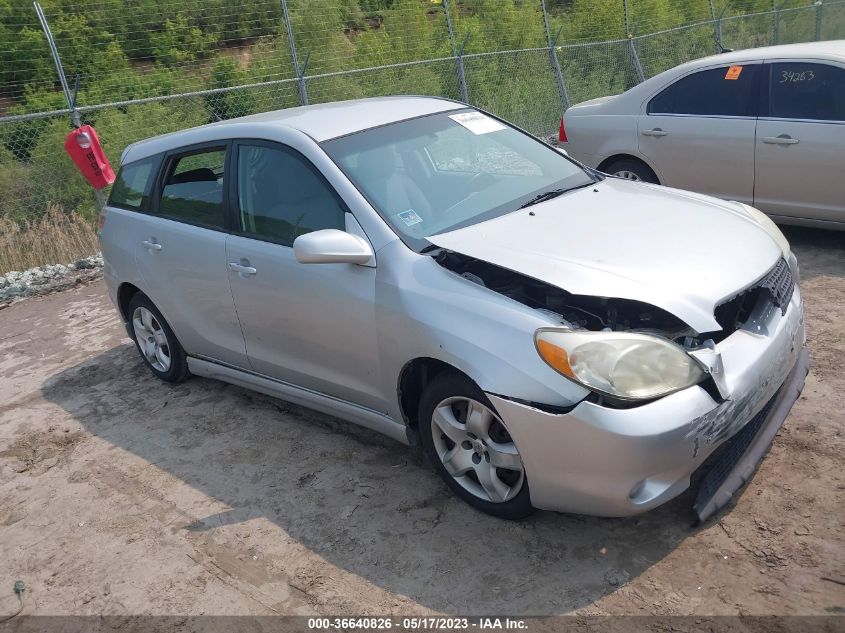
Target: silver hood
{"points": [[676, 250]]}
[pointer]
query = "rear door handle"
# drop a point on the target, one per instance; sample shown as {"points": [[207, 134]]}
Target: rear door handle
{"points": [[655, 132], [151, 246], [242, 269], [783, 139]]}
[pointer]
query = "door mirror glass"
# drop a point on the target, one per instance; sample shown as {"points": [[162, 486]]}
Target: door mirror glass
{"points": [[331, 246]]}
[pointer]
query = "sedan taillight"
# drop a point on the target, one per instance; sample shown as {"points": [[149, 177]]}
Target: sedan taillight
{"points": [[562, 134]]}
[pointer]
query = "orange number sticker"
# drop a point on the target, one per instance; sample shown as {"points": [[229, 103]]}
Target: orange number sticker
{"points": [[733, 73]]}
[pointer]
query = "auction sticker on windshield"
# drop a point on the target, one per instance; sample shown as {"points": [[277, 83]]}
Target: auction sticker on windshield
{"points": [[476, 122], [409, 217]]}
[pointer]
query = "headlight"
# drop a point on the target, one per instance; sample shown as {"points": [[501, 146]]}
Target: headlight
{"points": [[621, 364], [770, 227]]}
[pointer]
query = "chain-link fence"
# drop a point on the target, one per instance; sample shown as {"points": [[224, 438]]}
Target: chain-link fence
{"points": [[137, 68]]}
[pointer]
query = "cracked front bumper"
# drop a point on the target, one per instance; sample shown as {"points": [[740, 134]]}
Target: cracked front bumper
{"points": [[619, 462]]}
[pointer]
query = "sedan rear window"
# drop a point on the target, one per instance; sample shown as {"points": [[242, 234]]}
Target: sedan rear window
{"points": [[723, 91]]}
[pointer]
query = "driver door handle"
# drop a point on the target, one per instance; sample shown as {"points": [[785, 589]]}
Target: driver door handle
{"points": [[241, 269], [151, 246], [783, 139], [655, 132]]}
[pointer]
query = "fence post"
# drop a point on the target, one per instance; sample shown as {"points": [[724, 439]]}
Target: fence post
{"points": [[561, 85], [458, 55], [819, 8], [775, 23], [632, 50], [300, 75], [717, 27], [75, 119]]}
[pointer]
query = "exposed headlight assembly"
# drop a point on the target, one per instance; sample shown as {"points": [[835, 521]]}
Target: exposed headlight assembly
{"points": [[624, 365]]}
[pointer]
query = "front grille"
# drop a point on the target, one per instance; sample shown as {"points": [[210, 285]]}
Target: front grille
{"points": [[780, 285], [777, 285]]}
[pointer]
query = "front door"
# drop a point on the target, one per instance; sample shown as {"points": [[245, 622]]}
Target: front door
{"points": [[311, 325], [699, 132], [800, 144]]}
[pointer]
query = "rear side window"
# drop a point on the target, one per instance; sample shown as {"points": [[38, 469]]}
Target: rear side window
{"points": [[193, 188], [724, 91], [132, 185], [799, 90]]}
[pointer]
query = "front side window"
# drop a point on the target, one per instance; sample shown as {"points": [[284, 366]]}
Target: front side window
{"points": [[723, 91], [443, 171], [281, 196], [193, 189], [798, 90], [131, 187]]}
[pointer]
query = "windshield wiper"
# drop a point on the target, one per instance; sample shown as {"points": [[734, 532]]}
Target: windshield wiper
{"points": [[554, 193], [546, 195]]}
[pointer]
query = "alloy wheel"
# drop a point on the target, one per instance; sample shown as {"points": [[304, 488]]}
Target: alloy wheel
{"points": [[476, 449], [628, 175], [152, 339]]}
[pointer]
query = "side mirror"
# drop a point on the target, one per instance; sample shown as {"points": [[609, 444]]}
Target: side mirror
{"points": [[331, 246]]}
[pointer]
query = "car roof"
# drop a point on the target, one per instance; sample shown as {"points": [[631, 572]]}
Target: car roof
{"points": [[829, 49], [321, 122]]}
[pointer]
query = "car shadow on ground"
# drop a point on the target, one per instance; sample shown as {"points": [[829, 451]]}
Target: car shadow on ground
{"points": [[362, 502]]}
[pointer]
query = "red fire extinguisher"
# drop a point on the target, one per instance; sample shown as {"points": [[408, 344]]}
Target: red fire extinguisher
{"points": [[84, 148]]}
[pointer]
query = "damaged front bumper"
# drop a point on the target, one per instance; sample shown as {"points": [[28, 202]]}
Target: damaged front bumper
{"points": [[619, 462]]}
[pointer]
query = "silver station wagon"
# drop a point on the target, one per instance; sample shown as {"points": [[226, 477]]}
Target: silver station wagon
{"points": [[552, 337]]}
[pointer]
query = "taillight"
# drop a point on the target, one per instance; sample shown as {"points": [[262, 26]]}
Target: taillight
{"points": [[101, 221], [562, 134]]}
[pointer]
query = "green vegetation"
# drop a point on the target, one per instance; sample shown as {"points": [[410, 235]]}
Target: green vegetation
{"points": [[123, 50]]}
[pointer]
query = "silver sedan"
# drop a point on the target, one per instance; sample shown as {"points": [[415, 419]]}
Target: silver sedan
{"points": [[551, 337], [764, 126]]}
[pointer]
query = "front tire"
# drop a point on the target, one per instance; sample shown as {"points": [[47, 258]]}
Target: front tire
{"points": [[156, 342], [471, 449]]}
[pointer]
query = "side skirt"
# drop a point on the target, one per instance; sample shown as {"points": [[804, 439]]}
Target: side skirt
{"points": [[313, 400]]}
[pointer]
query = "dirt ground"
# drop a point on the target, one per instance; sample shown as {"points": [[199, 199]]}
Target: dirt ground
{"points": [[121, 495]]}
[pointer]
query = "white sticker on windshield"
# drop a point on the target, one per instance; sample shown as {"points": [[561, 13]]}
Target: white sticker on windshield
{"points": [[476, 122], [409, 217]]}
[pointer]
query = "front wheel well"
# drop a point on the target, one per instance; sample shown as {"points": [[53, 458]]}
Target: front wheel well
{"points": [[607, 162], [413, 379]]}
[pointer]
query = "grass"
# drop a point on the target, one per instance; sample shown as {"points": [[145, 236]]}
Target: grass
{"points": [[55, 238]]}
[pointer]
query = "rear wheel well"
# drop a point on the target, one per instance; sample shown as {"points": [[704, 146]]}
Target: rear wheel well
{"points": [[415, 376], [607, 162], [124, 295]]}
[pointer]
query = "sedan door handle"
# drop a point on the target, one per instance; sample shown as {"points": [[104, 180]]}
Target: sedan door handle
{"points": [[151, 246], [241, 269], [655, 132], [783, 139]]}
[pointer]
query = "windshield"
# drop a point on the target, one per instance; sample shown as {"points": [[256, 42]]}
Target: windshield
{"points": [[444, 171]]}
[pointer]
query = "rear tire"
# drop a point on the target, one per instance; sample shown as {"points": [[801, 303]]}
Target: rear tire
{"points": [[155, 340], [631, 169], [460, 427]]}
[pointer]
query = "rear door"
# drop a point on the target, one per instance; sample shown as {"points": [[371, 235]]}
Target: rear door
{"points": [[801, 141], [699, 131], [181, 253]]}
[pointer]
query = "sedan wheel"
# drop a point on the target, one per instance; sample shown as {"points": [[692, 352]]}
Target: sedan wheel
{"points": [[628, 175], [476, 449], [151, 338]]}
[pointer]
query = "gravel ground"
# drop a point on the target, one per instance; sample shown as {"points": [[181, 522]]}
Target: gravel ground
{"points": [[16, 285], [123, 495]]}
